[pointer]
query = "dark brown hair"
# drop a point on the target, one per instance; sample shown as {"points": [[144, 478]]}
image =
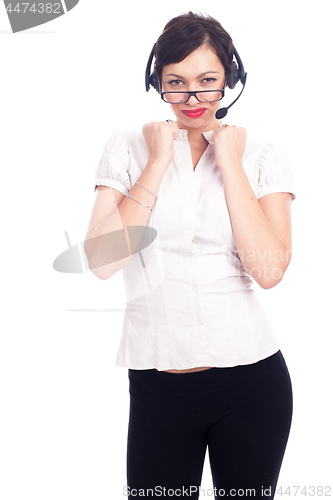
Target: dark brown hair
{"points": [[184, 34]]}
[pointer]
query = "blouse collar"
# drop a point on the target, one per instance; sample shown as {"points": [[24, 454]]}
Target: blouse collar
{"points": [[208, 135]]}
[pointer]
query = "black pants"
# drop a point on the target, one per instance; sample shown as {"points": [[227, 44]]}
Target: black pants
{"points": [[243, 414]]}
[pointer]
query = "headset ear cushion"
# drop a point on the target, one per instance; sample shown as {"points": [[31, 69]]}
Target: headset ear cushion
{"points": [[154, 82], [233, 76]]}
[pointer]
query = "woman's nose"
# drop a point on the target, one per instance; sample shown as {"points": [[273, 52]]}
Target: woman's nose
{"points": [[193, 101]]}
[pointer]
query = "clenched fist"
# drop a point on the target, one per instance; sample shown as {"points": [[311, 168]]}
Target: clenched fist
{"points": [[160, 137], [230, 144]]}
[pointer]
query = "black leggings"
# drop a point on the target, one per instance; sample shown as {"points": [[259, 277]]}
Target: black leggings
{"points": [[243, 414]]}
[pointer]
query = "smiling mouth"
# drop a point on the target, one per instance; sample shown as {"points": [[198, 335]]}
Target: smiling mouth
{"points": [[194, 113]]}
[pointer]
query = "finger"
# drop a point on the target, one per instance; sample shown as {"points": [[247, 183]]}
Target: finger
{"points": [[174, 128], [175, 133]]}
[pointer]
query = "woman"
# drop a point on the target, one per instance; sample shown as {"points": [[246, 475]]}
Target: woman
{"points": [[205, 369]]}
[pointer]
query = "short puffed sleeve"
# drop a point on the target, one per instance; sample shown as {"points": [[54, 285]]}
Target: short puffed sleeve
{"points": [[275, 172], [113, 167]]}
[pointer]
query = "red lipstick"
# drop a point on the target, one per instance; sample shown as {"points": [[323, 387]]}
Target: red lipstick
{"points": [[194, 113]]}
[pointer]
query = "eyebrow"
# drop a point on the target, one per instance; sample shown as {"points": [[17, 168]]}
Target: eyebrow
{"points": [[199, 76]]}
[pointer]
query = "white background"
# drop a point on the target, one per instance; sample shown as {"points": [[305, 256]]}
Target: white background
{"points": [[65, 86]]}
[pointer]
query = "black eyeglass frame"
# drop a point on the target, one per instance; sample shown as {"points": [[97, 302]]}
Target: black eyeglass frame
{"points": [[194, 93], [190, 94]]}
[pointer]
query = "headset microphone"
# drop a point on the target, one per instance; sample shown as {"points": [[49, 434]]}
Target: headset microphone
{"points": [[222, 112]]}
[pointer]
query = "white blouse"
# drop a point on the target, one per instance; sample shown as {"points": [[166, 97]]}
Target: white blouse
{"points": [[191, 303]]}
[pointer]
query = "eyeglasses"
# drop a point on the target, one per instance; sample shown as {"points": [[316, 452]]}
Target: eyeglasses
{"points": [[178, 97]]}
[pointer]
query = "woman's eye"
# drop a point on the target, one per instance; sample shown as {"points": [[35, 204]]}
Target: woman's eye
{"points": [[209, 80], [174, 82]]}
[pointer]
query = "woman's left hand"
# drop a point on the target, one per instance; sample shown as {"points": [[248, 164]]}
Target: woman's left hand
{"points": [[230, 144]]}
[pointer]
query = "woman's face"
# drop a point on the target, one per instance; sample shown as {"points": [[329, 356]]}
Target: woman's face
{"points": [[201, 70]]}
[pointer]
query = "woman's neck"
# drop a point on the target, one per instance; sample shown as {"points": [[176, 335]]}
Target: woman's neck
{"points": [[195, 136]]}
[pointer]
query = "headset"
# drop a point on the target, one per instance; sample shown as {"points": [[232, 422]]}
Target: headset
{"points": [[238, 74]]}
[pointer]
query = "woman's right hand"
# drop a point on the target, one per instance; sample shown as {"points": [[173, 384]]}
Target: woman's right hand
{"points": [[160, 137]]}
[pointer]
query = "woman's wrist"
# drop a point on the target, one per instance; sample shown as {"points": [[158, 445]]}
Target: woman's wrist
{"points": [[157, 165], [230, 167]]}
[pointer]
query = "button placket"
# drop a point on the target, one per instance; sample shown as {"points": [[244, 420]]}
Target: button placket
{"points": [[198, 334]]}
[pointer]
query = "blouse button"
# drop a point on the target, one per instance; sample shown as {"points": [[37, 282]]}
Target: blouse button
{"points": [[192, 257], [199, 322], [194, 289], [189, 231]]}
